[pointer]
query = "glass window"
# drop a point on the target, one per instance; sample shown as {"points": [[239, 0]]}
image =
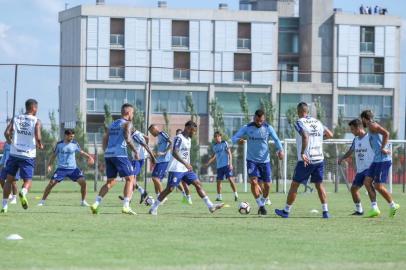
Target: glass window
{"points": [[114, 98], [353, 105], [371, 70], [230, 102], [288, 36], [175, 101]]}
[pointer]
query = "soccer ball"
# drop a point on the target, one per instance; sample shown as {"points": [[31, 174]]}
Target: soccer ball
{"points": [[244, 208], [149, 201]]}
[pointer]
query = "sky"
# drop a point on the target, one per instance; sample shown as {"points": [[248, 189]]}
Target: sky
{"points": [[29, 33]]}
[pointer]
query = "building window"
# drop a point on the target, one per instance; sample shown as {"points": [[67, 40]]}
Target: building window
{"points": [[175, 101], [371, 71], [288, 41], [180, 34], [114, 98], [353, 105], [367, 44], [181, 65], [117, 63], [117, 32], [244, 36], [242, 67]]}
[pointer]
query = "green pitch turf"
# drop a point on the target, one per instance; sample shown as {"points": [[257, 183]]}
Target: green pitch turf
{"points": [[63, 235]]}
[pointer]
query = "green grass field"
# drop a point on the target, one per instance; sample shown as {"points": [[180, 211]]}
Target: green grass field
{"points": [[63, 235]]}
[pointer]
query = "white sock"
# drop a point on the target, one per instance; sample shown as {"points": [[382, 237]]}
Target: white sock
{"points": [[155, 205], [260, 201], [13, 197], [140, 190], [287, 208], [219, 196], [324, 207], [98, 200], [189, 197], [24, 191], [207, 201], [184, 194], [374, 205], [236, 194], [392, 204], [5, 201], [358, 207], [126, 202], [42, 201]]}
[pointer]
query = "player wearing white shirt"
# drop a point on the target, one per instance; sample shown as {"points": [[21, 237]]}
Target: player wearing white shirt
{"points": [[181, 170], [364, 156]]}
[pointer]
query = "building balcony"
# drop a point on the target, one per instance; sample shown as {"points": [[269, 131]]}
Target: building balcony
{"points": [[181, 74], [117, 72], [117, 40], [371, 79], [244, 44], [180, 42], [367, 47], [242, 76]]}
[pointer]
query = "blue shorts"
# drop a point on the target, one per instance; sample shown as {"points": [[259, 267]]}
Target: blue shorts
{"points": [[260, 170], [3, 174], [24, 165], [174, 178], [359, 179], [224, 172], [314, 171], [137, 166], [160, 170], [379, 171], [118, 165], [72, 174]]}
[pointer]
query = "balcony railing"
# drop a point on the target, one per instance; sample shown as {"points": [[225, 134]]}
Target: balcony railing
{"points": [[117, 40], [180, 41], [242, 76], [376, 79], [181, 74], [367, 47], [244, 43], [116, 72]]}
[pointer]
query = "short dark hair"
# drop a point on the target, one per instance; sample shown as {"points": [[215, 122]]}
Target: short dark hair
{"points": [[151, 126], [125, 106], [29, 103], [259, 113], [302, 106], [190, 123], [217, 133], [367, 114], [178, 130], [69, 131], [355, 123]]}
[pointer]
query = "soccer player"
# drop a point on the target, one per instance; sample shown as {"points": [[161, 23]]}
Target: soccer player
{"points": [[115, 142], [378, 171], [258, 134], [65, 151], [183, 187], [310, 133], [181, 170], [24, 133], [222, 155], [3, 173], [364, 155]]}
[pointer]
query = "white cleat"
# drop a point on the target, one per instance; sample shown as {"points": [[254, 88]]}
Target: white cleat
{"points": [[84, 203], [41, 203], [13, 200], [153, 212], [268, 201], [216, 207]]}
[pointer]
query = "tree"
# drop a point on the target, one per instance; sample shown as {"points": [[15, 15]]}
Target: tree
{"points": [[320, 112], [340, 128], [139, 120], [269, 109], [216, 112], [166, 119], [195, 148], [49, 139], [291, 116], [244, 107], [108, 118], [80, 136]]}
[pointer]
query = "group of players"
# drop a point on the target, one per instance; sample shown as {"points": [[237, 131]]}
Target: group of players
{"points": [[23, 135]]}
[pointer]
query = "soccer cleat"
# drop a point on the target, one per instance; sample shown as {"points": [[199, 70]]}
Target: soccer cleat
{"points": [[94, 208], [153, 212], [143, 196], [3, 210], [128, 211], [282, 213], [189, 200], [236, 198], [84, 203], [216, 207], [13, 200], [262, 211], [41, 203], [356, 213], [392, 210], [23, 200], [268, 201], [373, 213], [219, 199], [326, 214]]}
